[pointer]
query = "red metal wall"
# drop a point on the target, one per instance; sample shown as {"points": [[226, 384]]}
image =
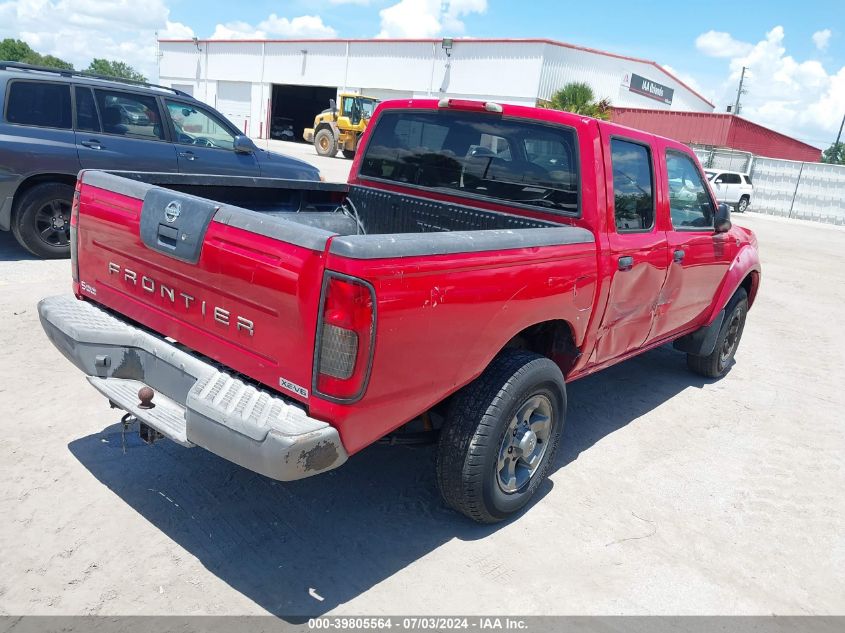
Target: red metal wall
{"points": [[720, 130]]}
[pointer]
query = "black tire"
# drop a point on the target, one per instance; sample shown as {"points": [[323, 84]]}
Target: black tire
{"points": [[41, 223], [325, 143], [472, 441], [348, 153], [718, 362], [743, 203]]}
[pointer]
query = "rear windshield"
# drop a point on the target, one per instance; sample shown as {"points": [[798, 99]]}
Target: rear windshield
{"points": [[477, 155]]}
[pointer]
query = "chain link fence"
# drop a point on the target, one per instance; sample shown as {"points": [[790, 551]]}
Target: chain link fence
{"points": [[786, 188]]}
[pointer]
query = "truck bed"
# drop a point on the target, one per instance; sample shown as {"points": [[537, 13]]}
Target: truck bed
{"points": [[240, 275]]}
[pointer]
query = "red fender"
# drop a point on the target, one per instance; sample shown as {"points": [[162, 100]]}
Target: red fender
{"points": [[747, 262]]}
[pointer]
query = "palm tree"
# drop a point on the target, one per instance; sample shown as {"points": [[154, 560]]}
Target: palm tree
{"points": [[578, 97]]}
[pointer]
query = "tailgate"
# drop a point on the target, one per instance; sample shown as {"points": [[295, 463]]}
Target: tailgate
{"points": [[237, 286]]}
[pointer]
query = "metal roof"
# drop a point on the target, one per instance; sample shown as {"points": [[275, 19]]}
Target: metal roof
{"points": [[717, 129]]}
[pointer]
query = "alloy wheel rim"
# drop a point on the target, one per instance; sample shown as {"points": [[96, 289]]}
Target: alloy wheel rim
{"points": [[52, 223], [524, 444]]}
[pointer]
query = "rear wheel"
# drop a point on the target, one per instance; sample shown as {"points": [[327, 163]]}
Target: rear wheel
{"points": [[42, 220], [500, 436], [743, 204], [325, 143], [717, 362]]}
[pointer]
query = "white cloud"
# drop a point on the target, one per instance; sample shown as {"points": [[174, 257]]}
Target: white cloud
{"points": [[79, 30], [822, 38], [799, 98], [427, 18], [275, 26], [689, 80], [720, 44]]}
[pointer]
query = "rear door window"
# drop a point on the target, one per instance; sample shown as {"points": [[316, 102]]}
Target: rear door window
{"points": [[477, 155], [633, 198], [129, 114], [39, 103]]}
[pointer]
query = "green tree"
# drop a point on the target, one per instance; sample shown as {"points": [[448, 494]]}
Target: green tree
{"points": [[835, 154], [114, 69], [578, 97], [19, 51]]}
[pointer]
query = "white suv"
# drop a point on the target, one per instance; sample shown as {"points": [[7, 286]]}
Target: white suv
{"points": [[731, 187]]}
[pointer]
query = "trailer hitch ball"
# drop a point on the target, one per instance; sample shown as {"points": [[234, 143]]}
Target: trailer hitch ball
{"points": [[145, 395]]}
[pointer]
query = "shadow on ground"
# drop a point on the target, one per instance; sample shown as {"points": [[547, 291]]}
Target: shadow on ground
{"points": [[10, 250], [341, 533]]}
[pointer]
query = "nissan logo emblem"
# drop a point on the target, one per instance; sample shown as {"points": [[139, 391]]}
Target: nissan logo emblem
{"points": [[172, 211]]}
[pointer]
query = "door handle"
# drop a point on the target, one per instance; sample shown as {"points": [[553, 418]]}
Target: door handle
{"points": [[188, 155], [93, 144], [678, 256], [626, 263]]}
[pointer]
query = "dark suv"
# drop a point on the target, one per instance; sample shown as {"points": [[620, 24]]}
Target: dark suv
{"points": [[56, 122]]}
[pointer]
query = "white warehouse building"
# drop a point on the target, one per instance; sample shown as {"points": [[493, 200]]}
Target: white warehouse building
{"points": [[254, 81]]}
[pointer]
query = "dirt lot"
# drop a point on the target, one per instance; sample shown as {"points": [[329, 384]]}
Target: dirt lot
{"points": [[670, 494]]}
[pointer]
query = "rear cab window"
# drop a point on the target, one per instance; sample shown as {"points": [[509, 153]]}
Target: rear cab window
{"points": [[477, 156], [39, 104], [633, 186]]}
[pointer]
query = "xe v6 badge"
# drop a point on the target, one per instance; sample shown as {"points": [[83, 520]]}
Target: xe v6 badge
{"points": [[172, 211]]}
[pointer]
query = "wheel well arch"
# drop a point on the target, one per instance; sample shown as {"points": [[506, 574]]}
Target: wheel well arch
{"points": [[750, 283], [324, 126], [554, 339], [40, 179]]}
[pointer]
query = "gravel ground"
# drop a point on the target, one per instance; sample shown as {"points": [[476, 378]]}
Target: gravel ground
{"points": [[671, 494]]}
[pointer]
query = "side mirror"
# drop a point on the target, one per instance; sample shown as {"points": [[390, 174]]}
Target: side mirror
{"points": [[333, 106], [723, 218], [243, 145]]}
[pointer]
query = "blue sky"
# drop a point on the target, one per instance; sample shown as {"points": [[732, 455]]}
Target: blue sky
{"points": [[796, 50]]}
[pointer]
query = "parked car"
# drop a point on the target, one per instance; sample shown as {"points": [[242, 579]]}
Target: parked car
{"points": [[457, 288], [133, 114], [282, 129], [731, 187], [56, 122]]}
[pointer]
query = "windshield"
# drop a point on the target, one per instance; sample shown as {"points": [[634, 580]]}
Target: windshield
{"points": [[477, 155], [710, 174]]}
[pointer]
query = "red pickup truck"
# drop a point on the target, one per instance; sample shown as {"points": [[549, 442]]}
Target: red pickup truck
{"points": [[479, 258]]}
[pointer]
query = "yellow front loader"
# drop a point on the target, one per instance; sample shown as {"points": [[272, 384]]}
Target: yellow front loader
{"points": [[341, 128]]}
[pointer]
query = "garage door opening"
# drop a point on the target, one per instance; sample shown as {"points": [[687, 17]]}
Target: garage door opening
{"points": [[297, 106]]}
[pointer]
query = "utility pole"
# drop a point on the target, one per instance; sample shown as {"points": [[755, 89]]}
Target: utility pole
{"points": [[739, 90], [838, 136]]}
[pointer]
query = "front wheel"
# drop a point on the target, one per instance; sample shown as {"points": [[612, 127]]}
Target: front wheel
{"points": [[717, 362], [325, 143], [500, 436], [743, 204], [42, 220]]}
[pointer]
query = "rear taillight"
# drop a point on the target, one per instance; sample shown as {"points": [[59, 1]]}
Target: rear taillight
{"points": [[345, 338], [74, 232]]}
